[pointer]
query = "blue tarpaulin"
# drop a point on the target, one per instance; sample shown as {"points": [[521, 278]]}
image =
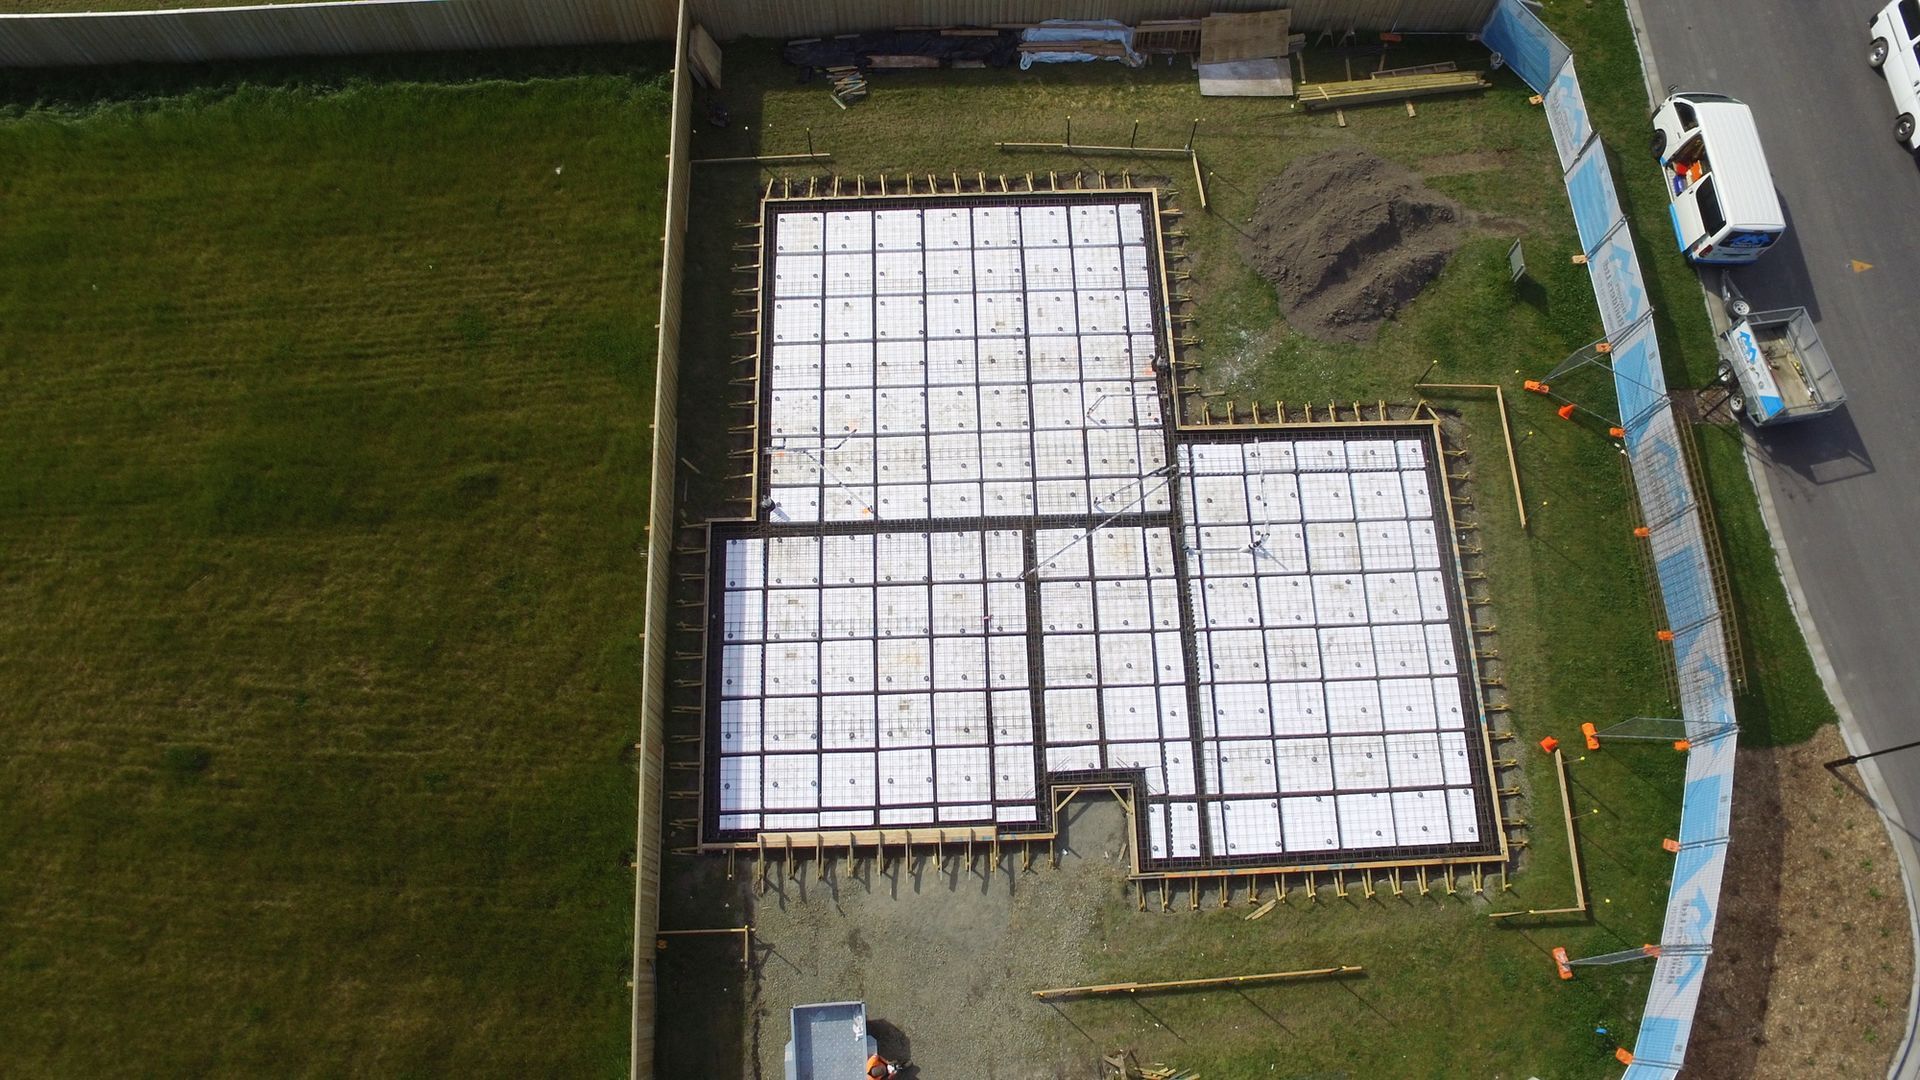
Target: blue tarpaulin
{"points": [[1072, 32]]}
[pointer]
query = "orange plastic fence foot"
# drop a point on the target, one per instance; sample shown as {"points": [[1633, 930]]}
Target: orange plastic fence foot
{"points": [[1560, 963], [1642, 531], [1536, 386], [1664, 635], [1592, 734], [1671, 845], [1682, 745], [1623, 1055], [1549, 744], [1603, 348], [1565, 411], [1617, 432]]}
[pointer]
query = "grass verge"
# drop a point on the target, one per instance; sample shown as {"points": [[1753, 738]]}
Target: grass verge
{"points": [[1784, 702], [323, 462]]}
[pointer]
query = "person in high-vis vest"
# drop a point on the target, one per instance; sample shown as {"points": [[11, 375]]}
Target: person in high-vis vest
{"points": [[880, 1068]]}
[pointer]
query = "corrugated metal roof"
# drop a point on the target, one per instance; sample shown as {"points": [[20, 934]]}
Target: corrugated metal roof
{"points": [[1743, 180]]}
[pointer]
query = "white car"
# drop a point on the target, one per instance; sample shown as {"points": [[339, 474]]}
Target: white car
{"points": [[1895, 50]]}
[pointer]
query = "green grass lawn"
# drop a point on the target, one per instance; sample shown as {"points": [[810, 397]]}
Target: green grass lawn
{"points": [[324, 437]]}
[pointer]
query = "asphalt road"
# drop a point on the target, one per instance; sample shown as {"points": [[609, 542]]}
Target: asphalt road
{"points": [[1845, 488]]}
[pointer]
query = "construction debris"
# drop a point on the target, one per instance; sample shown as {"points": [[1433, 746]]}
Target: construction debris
{"points": [[848, 85], [1123, 1066]]}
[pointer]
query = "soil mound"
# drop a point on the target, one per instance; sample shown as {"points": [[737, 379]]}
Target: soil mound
{"points": [[1347, 239]]}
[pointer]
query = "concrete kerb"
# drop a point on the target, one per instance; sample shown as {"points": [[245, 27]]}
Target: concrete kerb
{"points": [[1906, 1062]]}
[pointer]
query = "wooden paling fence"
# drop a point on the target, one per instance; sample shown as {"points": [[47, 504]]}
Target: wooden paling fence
{"points": [[651, 758]]}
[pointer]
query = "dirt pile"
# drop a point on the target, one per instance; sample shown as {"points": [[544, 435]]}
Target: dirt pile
{"points": [[1347, 239]]}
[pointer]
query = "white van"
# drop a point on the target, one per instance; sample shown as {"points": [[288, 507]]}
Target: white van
{"points": [[1895, 32], [1719, 190]]}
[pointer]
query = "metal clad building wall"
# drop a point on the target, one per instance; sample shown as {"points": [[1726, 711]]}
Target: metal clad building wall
{"points": [[802, 18], [660, 532], [362, 26], [375, 26]]}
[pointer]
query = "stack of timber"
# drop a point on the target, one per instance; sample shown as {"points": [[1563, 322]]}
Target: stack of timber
{"points": [[1091, 48], [1343, 95], [1421, 69], [849, 85]]}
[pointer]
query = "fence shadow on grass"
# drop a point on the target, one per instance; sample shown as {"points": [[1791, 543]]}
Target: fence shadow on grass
{"points": [[81, 89]]}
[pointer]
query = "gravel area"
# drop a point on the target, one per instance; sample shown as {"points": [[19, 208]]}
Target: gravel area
{"points": [[951, 953]]}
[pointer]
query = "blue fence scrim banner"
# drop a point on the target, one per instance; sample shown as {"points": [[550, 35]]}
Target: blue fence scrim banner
{"points": [[1526, 44], [1617, 283], [1634, 353], [1678, 537], [1596, 207], [1567, 114]]}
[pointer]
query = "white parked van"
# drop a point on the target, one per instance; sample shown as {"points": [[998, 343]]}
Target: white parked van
{"points": [[1895, 50], [1719, 190]]}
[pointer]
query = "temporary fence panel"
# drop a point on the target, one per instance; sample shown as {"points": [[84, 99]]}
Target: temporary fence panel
{"points": [[660, 538], [1670, 510], [1524, 42], [1567, 114]]}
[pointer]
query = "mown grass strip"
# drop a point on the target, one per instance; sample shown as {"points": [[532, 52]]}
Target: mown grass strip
{"points": [[323, 460]]}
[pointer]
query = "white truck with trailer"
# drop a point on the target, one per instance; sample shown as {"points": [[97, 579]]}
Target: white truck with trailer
{"points": [[1725, 211]]}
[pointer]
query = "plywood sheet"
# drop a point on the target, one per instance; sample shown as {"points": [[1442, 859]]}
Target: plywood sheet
{"points": [[1252, 36]]}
